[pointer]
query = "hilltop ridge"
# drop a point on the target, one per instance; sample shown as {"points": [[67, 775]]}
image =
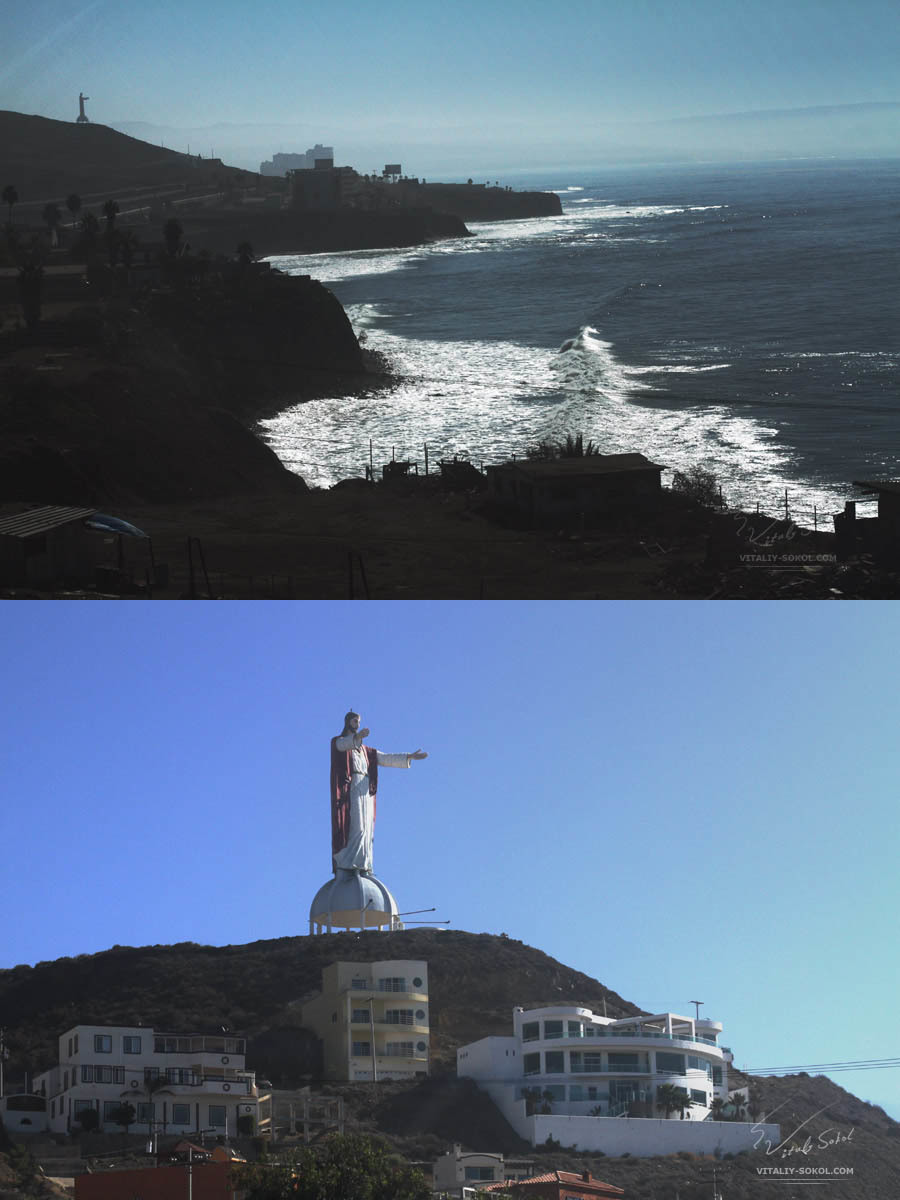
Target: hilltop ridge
{"points": [[475, 981]]}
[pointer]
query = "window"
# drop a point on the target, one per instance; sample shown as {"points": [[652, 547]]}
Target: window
{"points": [[698, 1097], [554, 1091], [87, 1074], [359, 1016], [145, 1112], [70, 1048], [717, 1076], [52, 1108], [392, 983], [421, 1047], [480, 1173], [531, 1064], [118, 1074], [359, 985], [131, 1045], [553, 1029], [399, 1049], [574, 1028], [576, 1092], [531, 1031], [589, 1061], [554, 1062], [109, 1107], [361, 1049], [181, 1114], [180, 1075], [216, 1114], [65, 1086], [417, 983], [102, 1043], [420, 1016], [76, 1043], [624, 1062], [152, 1073], [398, 1016], [669, 1064]]}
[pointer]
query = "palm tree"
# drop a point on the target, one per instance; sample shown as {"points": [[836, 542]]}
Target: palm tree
{"points": [[110, 211], [172, 232], [671, 1098], [52, 217], [10, 197], [245, 254], [73, 204], [128, 243]]}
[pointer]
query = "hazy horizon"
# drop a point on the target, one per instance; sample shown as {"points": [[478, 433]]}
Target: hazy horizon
{"points": [[475, 88]]}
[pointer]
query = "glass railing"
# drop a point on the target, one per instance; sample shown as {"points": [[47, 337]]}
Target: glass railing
{"points": [[585, 1069]]}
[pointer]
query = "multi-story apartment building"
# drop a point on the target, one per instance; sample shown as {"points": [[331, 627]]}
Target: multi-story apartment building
{"points": [[373, 1020], [564, 1067], [177, 1083]]}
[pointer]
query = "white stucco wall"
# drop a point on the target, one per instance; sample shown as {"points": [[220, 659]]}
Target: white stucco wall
{"points": [[643, 1137]]}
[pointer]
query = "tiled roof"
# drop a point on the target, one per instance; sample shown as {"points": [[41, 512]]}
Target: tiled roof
{"points": [[569, 1178]]}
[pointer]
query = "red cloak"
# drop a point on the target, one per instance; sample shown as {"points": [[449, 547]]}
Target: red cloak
{"points": [[341, 770]]}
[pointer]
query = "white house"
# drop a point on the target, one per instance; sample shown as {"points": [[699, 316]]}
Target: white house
{"points": [[459, 1170], [573, 1075], [177, 1083]]}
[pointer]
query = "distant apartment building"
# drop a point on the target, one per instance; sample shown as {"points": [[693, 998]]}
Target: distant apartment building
{"points": [[317, 156], [459, 1169], [176, 1083], [570, 1074], [372, 1019]]}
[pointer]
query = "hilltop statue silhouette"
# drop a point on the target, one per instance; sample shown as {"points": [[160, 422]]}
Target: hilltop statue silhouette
{"points": [[82, 116]]}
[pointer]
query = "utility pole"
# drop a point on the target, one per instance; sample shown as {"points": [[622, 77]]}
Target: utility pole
{"points": [[4, 1054], [372, 1035]]}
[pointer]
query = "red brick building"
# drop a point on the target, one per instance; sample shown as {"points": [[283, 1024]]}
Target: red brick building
{"points": [[208, 1181], [559, 1185]]}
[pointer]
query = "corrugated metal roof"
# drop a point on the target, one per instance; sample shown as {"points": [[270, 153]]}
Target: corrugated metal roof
{"points": [[40, 520], [589, 464], [878, 485]]}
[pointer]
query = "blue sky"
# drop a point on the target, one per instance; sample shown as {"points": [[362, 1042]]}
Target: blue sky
{"points": [[522, 76], [684, 801]]}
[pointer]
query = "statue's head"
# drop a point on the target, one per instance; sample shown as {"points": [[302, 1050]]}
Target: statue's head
{"points": [[351, 723]]}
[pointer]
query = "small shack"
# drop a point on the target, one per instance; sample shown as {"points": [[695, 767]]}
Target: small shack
{"points": [[877, 536], [43, 545], [593, 485]]}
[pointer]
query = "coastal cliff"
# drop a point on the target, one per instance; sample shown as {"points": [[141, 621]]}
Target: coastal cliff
{"points": [[149, 401], [478, 202], [288, 231]]}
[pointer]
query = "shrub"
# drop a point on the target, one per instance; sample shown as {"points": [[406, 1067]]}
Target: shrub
{"points": [[700, 485]]}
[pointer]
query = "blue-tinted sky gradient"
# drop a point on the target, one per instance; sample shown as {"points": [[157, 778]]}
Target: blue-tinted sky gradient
{"points": [[533, 79], [684, 801]]}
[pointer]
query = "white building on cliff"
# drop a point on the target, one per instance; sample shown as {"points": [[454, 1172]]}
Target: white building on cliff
{"points": [[572, 1075]]}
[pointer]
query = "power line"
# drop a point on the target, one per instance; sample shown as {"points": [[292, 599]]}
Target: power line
{"points": [[865, 1064]]}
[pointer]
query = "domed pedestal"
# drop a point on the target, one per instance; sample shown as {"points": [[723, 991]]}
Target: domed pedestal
{"points": [[353, 901]]}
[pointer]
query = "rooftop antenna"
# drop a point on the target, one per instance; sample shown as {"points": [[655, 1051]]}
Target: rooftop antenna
{"points": [[82, 116], [697, 1003]]}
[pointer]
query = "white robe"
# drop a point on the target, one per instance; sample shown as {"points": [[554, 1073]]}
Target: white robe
{"points": [[357, 854]]}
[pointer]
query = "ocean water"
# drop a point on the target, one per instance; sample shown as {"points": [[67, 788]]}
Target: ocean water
{"points": [[745, 318]]}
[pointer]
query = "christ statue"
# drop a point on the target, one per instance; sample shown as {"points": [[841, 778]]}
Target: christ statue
{"points": [[354, 781]]}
